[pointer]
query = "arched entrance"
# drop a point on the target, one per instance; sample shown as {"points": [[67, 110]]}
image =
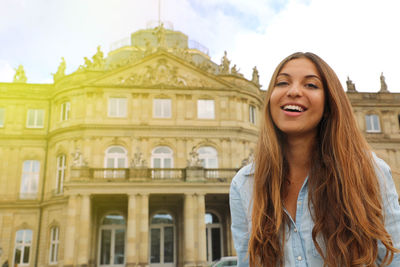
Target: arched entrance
{"points": [[112, 241], [213, 237], [162, 241]]}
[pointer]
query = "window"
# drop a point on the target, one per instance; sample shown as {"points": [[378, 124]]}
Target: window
{"points": [[53, 253], [35, 118], [65, 108], [161, 157], [252, 114], [61, 167], [23, 242], [117, 107], [116, 157], [162, 108], [398, 117], [372, 123], [205, 109], [213, 237], [112, 241], [2, 113], [209, 159], [208, 156], [30, 179]]}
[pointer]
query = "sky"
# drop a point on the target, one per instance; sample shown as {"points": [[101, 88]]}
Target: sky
{"points": [[357, 38]]}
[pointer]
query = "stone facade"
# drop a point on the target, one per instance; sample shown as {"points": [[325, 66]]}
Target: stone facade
{"points": [[128, 160]]}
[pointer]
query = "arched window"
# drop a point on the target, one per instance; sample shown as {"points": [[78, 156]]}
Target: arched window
{"points": [[162, 240], [112, 240], [208, 156], [161, 158], [54, 240], [22, 249], [116, 157], [30, 179], [213, 237]]}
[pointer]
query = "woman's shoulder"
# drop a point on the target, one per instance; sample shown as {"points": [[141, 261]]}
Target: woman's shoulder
{"points": [[382, 169], [244, 175]]}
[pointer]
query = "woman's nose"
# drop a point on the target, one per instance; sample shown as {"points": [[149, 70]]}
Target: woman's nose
{"points": [[294, 91]]}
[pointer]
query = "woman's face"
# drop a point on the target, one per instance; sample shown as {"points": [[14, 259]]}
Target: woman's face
{"points": [[298, 97]]}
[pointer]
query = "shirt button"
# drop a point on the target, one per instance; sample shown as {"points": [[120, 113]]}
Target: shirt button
{"points": [[299, 203], [299, 258]]}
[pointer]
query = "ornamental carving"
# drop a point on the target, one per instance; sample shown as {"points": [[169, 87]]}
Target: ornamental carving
{"points": [[162, 74]]}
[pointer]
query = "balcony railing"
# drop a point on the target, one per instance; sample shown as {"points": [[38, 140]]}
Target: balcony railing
{"points": [[153, 174]]}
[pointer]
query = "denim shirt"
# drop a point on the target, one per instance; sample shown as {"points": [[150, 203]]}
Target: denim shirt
{"points": [[299, 248]]}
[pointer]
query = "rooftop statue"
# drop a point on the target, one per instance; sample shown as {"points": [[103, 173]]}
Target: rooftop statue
{"points": [[351, 87], [98, 60], [255, 77], [60, 71], [20, 76], [160, 33], [225, 62], [234, 70], [383, 85]]}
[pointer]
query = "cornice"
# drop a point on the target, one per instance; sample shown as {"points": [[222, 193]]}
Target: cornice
{"points": [[152, 128]]}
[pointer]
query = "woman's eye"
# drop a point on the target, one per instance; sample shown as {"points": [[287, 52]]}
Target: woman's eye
{"points": [[311, 85], [281, 83]]}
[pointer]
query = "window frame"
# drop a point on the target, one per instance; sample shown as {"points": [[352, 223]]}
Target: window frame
{"points": [[36, 115], [164, 103], [118, 102], [2, 117], [54, 245], [65, 109], [60, 174], [202, 109], [252, 114], [29, 177], [25, 243], [369, 121]]}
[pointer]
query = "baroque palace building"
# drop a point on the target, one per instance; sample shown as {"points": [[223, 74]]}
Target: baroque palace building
{"points": [[128, 160]]}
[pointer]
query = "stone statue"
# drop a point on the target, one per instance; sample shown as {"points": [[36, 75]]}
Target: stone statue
{"points": [[194, 160], [20, 76], [77, 159], [383, 85], [234, 70], [60, 71], [88, 63], [225, 62], [160, 33], [148, 49], [351, 87], [255, 77], [138, 161], [98, 60]]}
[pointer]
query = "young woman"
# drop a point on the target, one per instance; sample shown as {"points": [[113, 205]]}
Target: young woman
{"points": [[315, 195]]}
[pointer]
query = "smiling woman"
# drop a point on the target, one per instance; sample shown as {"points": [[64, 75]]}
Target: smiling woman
{"points": [[315, 194]]}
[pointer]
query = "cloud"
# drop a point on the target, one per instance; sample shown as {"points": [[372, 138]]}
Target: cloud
{"points": [[6, 71], [357, 38]]}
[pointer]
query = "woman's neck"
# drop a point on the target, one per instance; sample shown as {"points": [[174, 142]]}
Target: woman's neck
{"points": [[298, 153]]}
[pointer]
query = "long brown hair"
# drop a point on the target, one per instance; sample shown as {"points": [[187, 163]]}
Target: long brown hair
{"points": [[343, 187]]}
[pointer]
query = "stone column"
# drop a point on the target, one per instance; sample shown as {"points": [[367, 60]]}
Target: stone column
{"points": [[201, 230], [188, 223], [70, 232], [84, 232], [144, 231], [131, 235]]}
